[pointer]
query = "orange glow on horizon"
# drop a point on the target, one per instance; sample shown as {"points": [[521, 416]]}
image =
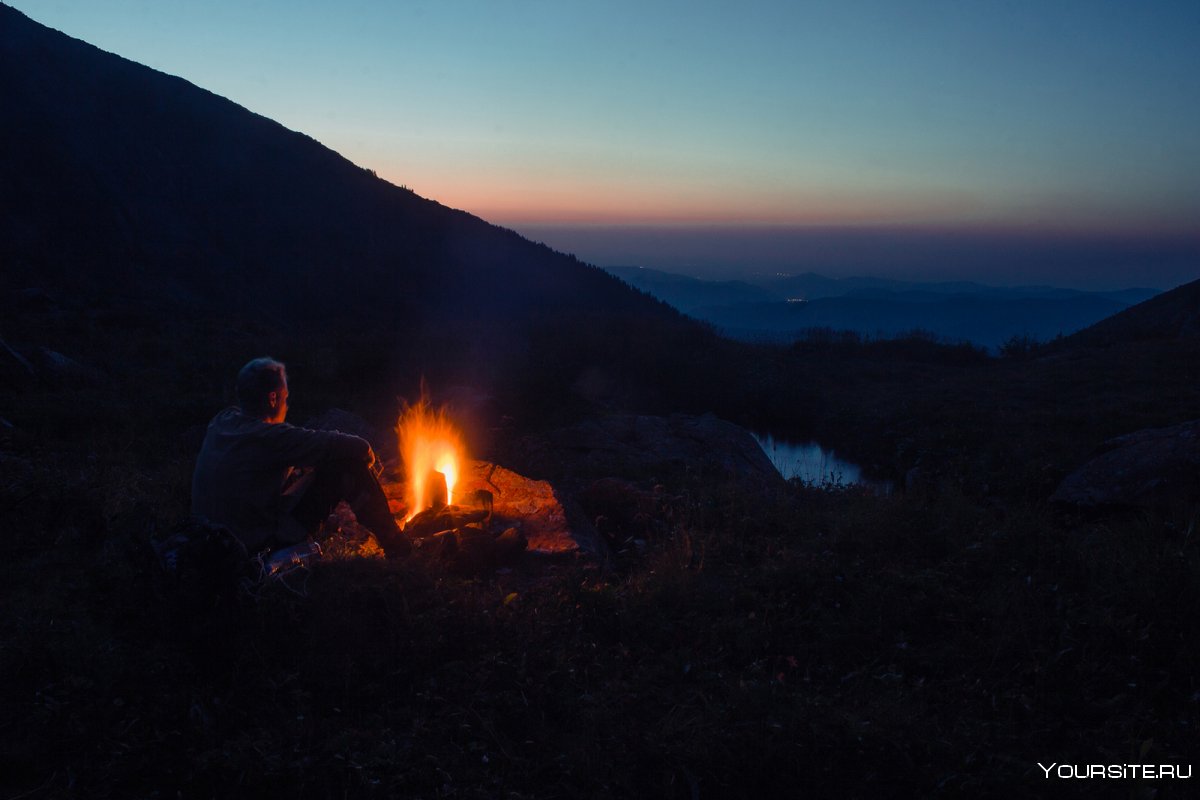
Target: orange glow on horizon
{"points": [[592, 201], [617, 199], [592, 206]]}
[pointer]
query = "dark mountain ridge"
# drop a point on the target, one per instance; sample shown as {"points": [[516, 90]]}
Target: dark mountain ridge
{"points": [[125, 183], [1170, 315], [150, 225]]}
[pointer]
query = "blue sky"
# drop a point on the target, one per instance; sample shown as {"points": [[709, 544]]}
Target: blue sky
{"points": [[1051, 116]]}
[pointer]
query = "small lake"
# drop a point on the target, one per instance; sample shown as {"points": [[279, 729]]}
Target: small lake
{"points": [[816, 465]]}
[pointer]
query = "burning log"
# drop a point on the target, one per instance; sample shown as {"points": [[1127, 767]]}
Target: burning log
{"points": [[476, 550], [439, 547], [472, 550], [433, 451], [437, 490], [483, 500], [436, 520], [481, 551], [511, 543]]}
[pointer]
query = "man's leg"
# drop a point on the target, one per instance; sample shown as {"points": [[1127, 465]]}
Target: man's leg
{"points": [[352, 481]]}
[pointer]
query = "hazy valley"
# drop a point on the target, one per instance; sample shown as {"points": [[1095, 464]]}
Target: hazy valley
{"points": [[782, 308]]}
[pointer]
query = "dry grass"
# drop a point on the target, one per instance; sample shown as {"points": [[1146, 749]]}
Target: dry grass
{"points": [[828, 643], [809, 642]]}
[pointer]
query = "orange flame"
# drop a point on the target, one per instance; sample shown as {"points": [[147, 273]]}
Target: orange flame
{"points": [[429, 442]]}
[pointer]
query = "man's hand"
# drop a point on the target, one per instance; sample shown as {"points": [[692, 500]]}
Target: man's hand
{"points": [[373, 463]]}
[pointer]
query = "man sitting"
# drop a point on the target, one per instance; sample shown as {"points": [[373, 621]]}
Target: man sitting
{"points": [[272, 483]]}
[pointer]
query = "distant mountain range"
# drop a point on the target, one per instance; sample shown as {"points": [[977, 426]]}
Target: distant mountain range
{"points": [[783, 307]]}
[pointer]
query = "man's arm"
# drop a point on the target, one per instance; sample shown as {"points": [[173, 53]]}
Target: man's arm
{"points": [[301, 447]]}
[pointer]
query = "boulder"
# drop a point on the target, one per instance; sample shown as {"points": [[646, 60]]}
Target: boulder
{"points": [[1138, 469], [650, 450], [548, 521]]}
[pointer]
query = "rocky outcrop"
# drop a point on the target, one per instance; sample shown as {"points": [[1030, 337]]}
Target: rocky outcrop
{"points": [[548, 520], [650, 449], [1155, 465]]}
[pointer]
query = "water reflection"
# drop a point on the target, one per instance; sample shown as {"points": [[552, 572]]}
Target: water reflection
{"points": [[814, 465]]}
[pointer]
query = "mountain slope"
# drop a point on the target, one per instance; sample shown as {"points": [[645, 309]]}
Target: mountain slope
{"points": [[120, 181], [1170, 315]]}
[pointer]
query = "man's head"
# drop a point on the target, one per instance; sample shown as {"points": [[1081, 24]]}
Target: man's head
{"points": [[262, 389]]}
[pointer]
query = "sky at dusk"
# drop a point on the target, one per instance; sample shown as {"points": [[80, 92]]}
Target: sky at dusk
{"points": [[1073, 123]]}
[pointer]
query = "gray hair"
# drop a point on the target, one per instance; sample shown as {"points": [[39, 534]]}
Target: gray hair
{"points": [[256, 381]]}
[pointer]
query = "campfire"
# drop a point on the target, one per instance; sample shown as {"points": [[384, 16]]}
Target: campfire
{"points": [[465, 510], [433, 453]]}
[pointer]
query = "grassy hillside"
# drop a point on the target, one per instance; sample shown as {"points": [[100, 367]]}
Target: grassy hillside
{"points": [[938, 642], [1174, 314]]}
